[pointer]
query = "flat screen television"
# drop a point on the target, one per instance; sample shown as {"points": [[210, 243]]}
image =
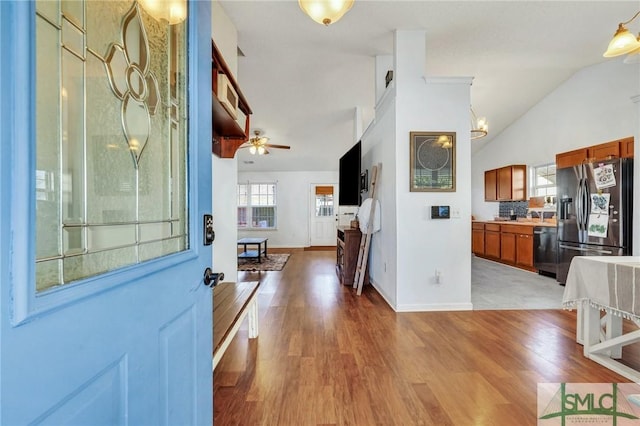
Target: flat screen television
{"points": [[349, 177]]}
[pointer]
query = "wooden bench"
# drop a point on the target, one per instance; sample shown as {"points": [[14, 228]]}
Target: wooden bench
{"points": [[232, 302]]}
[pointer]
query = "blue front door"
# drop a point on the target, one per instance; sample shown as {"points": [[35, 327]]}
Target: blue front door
{"points": [[104, 317]]}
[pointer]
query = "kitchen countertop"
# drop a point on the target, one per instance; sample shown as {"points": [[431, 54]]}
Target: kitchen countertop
{"points": [[521, 221]]}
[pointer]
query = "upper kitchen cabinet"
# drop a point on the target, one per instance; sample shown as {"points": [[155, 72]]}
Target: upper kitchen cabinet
{"points": [[491, 185], [571, 158], [626, 147], [231, 110], [604, 151], [507, 183]]}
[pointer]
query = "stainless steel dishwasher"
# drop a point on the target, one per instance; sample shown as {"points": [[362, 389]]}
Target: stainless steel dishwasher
{"points": [[545, 255]]}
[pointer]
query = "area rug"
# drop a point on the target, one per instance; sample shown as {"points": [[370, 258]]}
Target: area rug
{"points": [[273, 262]]}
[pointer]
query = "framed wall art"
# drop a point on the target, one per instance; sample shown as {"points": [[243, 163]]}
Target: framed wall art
{"points": [[432, 161]]}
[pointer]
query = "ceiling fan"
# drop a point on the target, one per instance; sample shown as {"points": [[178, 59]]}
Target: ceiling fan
{"points": [[259, 144]]}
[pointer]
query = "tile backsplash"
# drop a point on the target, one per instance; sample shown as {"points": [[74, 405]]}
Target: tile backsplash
{"points": [[519, 208]]}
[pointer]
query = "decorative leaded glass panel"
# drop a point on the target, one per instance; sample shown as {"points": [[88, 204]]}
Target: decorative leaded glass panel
{"points": [[111, 138]]}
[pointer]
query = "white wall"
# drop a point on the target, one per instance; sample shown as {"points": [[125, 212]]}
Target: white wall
{"points": [[225, 216], [416, 246], [591, 107], [225, 170], [293, 192], [379, 147], [225, 35], [424, 244]]}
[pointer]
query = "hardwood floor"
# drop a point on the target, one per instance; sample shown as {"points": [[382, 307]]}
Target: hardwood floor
{"points": [[326, 356]]}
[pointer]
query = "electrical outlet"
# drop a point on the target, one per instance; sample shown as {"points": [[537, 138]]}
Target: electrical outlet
{"points": [[438, 276]]}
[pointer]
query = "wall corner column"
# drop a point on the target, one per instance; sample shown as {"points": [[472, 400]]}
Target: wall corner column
{"points": [[636, 179]]}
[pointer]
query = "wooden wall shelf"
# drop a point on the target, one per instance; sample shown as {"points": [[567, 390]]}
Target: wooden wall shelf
{"points": [[228, 133]]}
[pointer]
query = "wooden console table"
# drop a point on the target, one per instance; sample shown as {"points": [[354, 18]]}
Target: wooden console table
{"points": [[347, 246]]}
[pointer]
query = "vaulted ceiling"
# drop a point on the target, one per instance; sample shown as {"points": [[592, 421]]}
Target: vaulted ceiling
{"points": [[304, 81]]}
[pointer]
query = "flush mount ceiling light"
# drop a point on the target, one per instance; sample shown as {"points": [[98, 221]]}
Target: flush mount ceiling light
{"points": [[623, 41], [325, 12], [479, 126], [172, 11]]}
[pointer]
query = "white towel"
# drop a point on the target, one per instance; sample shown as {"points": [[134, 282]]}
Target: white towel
{"points": [[363, 216]]}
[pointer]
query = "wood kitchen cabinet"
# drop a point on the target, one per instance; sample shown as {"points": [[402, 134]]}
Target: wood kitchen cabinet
{"points": [[517, 245], [626, 148], [524, 248], [508, 247], [491, 185], [505, 174], [507, 183], [477, 238], [505, 242], [604, 151], [492, 240], [571, 158], [620, 148]]}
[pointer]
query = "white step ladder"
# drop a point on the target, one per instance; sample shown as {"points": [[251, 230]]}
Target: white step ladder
{"points": [[365, 240]]}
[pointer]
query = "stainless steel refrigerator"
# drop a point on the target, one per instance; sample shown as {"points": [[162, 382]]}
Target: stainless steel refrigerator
{"points": [[595, 202]]}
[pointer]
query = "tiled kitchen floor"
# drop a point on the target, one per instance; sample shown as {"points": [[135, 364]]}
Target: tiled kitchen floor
{"points": [[498, 286]]}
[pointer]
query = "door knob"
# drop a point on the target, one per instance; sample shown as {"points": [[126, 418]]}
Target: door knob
{"points": [[211, 278]]}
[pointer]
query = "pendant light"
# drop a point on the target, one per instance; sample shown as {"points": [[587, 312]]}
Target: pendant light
{"points": [[479, 126], [325, 12], [623, 41], [172, 11]]}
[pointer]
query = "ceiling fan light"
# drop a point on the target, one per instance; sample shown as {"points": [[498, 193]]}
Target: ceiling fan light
{"points": [[622, 42], [325, 12], [252, 149], [261, 150]]}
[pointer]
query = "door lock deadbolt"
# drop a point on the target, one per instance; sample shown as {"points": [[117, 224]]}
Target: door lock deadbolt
{"points": [[208, 234]]}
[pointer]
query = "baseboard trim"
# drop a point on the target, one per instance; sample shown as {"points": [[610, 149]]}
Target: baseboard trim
{"points": [[320, 248], [435, 307], [422, 307], [381, 293]]}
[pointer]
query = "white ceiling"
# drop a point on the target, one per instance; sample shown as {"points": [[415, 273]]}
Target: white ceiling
{"points": [[303, 81]]}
